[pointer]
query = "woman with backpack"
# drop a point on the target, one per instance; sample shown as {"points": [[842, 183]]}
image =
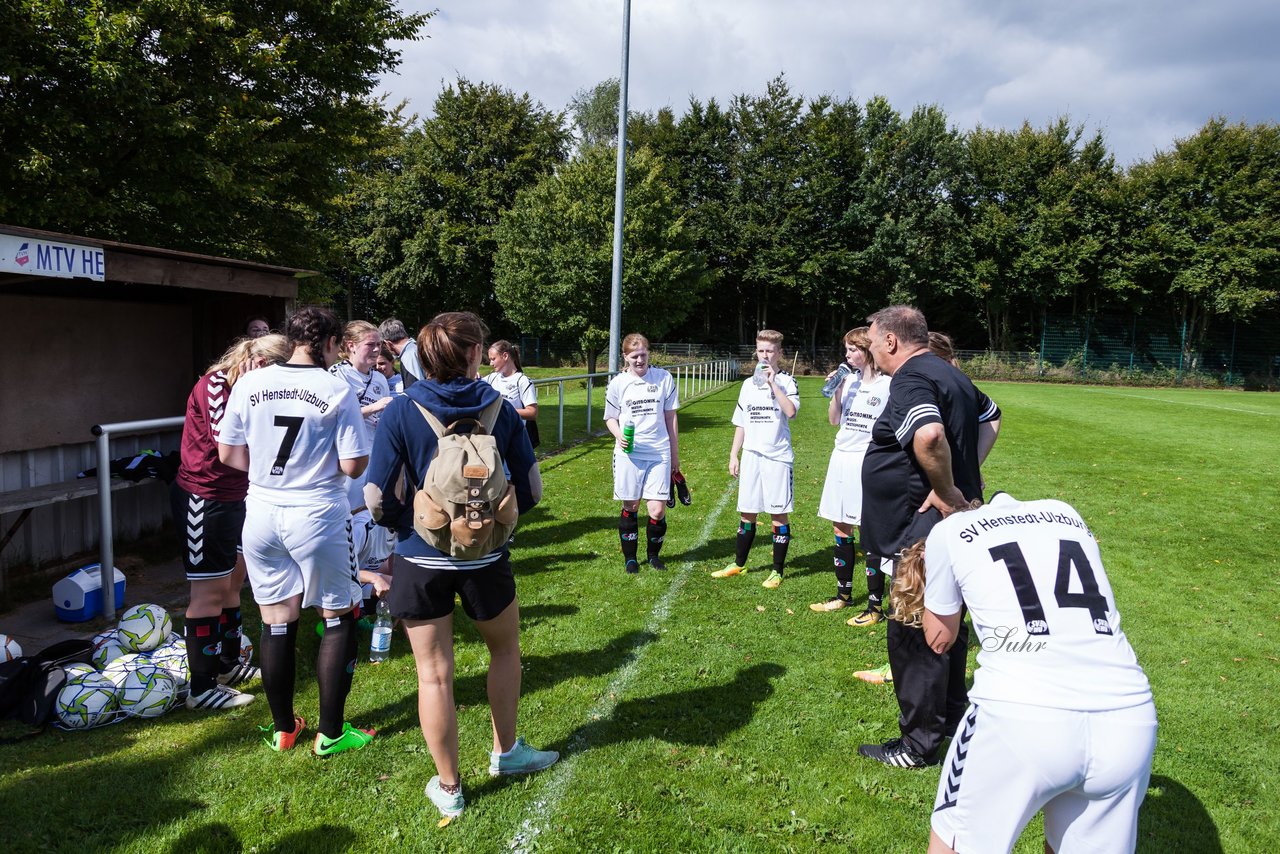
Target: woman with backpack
{"points": [[435, 558]]}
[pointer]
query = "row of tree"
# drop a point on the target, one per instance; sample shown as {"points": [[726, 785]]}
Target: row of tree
{"points": [[249, 131]]}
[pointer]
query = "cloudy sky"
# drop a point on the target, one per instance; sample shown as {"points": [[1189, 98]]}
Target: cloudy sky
{"points": [[1144, 73]]}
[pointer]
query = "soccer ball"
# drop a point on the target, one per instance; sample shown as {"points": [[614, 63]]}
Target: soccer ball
{"points": [[144, 627], [119, 669], [172, 659], [9, 648], [108, 650], [86, 701], [147, 692], [76, 670]]}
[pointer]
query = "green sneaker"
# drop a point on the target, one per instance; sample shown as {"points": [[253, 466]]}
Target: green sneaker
{"points": [[774, 581], [352, 738], [876, 675], [282, 741], [729, 571], [521, 759]]}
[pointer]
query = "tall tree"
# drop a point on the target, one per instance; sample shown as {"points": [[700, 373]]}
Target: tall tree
{"points": [[426, 231], [223, 128], [554, 264], [1206, 220]]}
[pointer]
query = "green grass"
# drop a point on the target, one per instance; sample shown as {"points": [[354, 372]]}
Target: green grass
{"points": [[717, 716]]}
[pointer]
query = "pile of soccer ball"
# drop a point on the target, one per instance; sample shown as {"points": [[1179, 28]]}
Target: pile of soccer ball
{"points": [[139, 670]]}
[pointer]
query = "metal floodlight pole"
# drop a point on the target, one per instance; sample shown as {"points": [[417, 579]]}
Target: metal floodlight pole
{"points": [[620, 191]]}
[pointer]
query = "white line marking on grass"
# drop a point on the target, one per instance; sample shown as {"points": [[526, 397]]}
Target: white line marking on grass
{"points": [[559, 778], [1182, 402]]}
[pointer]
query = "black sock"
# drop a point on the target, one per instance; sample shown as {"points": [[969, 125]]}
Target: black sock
{"points": [[279, 660], [335, 666], [230, 626], [202, 652], [875, 583], [844, 567], [746, 535], [657, 532], [781, 539], [629, 533]]}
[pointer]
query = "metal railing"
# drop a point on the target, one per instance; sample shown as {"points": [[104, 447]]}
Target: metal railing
{"points": [[106, 544], [693, 380]]}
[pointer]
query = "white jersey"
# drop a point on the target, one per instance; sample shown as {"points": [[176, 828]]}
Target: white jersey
{"points": [[861, 403], [766, 431], [642, 401], [516, 388], [368, 388], [1032, 577], [298, 422]]}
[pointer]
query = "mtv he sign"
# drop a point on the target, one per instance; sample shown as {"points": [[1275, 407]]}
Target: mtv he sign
{"points": [[35, 257]]}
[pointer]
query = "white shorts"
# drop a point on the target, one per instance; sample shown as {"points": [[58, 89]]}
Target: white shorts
{"points": [[1088, 771], [842, 490], [369, 541], [307, 550], [764, 485], [635, 480]]}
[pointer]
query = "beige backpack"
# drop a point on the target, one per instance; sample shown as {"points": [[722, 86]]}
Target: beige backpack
{"points": [[466, 507]]}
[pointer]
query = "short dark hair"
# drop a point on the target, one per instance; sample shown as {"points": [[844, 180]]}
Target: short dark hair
{"points": [[445, 342], [906, 322], [392, 329]]}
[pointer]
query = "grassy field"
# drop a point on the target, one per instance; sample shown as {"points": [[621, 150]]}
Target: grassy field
{"points": [[703, 715]]}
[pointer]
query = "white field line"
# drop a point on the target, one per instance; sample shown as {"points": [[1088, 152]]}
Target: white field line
{"points": [[559, 777], [1181, 402]]}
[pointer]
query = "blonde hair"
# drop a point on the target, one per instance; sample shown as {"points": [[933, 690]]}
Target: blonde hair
{"points": [[906, 596], [772, 336], [273, 347], [634, 341], [352, 333]]}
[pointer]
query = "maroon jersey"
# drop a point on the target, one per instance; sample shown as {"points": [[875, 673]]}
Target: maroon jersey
{"points": [[202, 474]]}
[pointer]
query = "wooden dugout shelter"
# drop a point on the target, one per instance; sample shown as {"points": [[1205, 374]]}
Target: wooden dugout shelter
{"points": [[106, 332]]}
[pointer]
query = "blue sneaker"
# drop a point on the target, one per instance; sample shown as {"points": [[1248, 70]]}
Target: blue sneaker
{"points": [[521, 759], [450, 806]]}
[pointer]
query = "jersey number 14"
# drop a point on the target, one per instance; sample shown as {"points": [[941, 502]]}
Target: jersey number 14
{"points": [[1070, 555]]}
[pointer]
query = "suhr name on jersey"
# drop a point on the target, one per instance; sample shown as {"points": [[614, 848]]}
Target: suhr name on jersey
{"points": [[302, 394], [971, 533]]}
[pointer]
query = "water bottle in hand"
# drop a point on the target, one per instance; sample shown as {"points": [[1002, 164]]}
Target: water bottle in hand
{"points": [[829, 389], [380, 646]]}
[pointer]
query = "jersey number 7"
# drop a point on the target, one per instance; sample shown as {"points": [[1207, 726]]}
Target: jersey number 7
{"points": [[1070, 555], [292, 425]]}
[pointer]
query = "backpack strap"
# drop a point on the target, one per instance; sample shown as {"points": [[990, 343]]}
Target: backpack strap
{"points": [[434, 423], [489, 415]]}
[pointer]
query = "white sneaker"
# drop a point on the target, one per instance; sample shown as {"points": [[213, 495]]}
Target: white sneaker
{"points": [[450, 806], [218, 697]]}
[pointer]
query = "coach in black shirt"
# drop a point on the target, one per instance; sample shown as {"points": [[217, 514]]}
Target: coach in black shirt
{"points": [[922, 464]]}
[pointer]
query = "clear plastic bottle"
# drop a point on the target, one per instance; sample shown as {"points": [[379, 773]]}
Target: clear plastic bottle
{"points": [[380, 645], [759, 377], [829, 389]]}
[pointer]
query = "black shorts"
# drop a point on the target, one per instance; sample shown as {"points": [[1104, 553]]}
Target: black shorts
{"points": [[210, 532], [419, 593]]}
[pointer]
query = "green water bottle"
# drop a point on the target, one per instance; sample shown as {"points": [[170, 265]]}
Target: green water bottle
{"points": [[628, 437]]}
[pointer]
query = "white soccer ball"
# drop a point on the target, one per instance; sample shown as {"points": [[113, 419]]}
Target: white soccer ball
{"points": [[86, 701], [172, 659], [9, 648], [77, 669], [108, 650], [147, 692], [119, 669], [142, 628]]}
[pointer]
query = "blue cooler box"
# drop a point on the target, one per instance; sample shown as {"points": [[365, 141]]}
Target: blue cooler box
{"points": [[78, 597]]}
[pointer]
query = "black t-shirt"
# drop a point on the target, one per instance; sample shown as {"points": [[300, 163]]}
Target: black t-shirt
{"points": [[925, 390]]}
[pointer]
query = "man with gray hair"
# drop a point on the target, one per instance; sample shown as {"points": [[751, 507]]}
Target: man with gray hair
{"points": [[922, 464], [405, 348]]}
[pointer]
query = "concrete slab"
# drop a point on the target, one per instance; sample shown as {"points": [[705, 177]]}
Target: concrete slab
{"points": [[35, 627]]}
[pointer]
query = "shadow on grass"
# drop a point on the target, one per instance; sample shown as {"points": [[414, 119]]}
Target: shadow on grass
{"points": [[532, 615], [539, 673], [314, 840], [1173, 819], [214, 838]]}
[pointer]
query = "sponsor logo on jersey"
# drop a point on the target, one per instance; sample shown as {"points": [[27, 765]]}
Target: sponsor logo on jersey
{"points": [[873, 401], [1005, 639]]}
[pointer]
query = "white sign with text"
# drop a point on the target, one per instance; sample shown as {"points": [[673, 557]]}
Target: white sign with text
{"points": [[33, 256]]}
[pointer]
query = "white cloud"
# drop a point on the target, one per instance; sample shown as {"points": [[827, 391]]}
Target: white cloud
{"points": [[1143, 73]]}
